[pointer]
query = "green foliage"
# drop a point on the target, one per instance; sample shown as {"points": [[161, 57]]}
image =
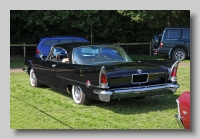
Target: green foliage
{"points": [[107, 25], [17, 62]]}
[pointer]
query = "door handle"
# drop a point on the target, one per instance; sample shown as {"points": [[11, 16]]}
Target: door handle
{"points": [[53, 65]]}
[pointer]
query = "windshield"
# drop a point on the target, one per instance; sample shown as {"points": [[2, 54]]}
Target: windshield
{"points": [[98, 54]]}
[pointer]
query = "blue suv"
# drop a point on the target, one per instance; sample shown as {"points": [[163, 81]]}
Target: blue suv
{"points": [[173, 42], [45, 44]]}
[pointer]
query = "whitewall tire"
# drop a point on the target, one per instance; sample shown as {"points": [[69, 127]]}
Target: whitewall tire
{"points": [[78, 96], [33, 79]]}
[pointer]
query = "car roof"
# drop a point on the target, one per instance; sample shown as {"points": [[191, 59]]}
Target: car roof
{"points": [[62, 37], [78, 44]]}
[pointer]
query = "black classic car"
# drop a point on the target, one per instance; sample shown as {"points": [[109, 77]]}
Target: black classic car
{"points": [[101, 72]]}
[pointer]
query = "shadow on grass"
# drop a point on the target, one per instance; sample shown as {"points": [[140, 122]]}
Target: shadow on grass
{"points": [[136, 105], [131, 106]]}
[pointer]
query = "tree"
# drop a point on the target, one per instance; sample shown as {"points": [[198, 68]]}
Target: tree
{"points": [[107, 25]]}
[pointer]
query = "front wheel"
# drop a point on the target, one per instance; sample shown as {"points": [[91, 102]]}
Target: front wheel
{"points": [[179, 54], [33, 80], [78, 96]]}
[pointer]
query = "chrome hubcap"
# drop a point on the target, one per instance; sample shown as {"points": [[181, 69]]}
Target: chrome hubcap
{"points": [[77, 93], [33, 77], [179, 55]]}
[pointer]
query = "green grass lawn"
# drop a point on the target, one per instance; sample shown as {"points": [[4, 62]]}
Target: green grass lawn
{"points": [[46, 108]]}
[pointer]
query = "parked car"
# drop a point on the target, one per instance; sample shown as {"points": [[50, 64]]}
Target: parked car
{"points": [[45, 43], [173, 42], [101, 72], [183, 105]]}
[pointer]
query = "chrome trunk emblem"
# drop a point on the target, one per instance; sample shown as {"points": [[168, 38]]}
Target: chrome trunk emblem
{"points": [[139, 71]]}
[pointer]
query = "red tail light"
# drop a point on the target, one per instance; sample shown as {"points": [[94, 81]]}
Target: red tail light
{"points": [[161, 45], [37, 51], [103, 83], [103, 78], [174, 71]]}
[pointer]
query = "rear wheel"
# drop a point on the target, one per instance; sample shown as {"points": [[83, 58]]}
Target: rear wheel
{"points": [[78, 96], [33, 80], [179, 54]]}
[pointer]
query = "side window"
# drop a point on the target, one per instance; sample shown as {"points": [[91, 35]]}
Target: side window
{"points": [[58, 54], [173, 34], [186, 34], [60, 51], [49, 42], [86, 50], [66, 40]]}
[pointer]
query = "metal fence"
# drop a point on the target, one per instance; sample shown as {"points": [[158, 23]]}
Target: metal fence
{"points": [[136, 48], [22, 50], [130, 48]]}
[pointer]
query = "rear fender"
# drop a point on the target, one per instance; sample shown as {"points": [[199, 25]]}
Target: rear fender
{"points": [[173, 72], [169, 65]]}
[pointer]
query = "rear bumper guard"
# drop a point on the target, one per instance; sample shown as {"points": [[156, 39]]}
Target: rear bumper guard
{"points": [[179, 121], [105, 95]]}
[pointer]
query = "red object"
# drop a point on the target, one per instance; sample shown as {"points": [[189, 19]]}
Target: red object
{"points": [[183, 103], [88, 83], [37, 51], [161, 45], [103, 78], [174, 71]]}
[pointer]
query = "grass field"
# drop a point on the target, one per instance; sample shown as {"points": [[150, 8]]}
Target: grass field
{"points": [[46, 108]]}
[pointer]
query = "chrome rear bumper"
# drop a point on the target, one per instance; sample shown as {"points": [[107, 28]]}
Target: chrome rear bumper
{"points": [[107, 95]]}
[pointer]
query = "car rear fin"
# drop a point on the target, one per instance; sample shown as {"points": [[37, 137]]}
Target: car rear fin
{"points": [[173, 72], [103, 78]]}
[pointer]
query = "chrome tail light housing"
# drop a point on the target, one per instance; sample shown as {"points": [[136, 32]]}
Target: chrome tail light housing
{"points": [[103, 82]]}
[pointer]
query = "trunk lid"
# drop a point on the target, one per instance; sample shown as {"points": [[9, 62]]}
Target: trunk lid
{"points": [[134, 74]]}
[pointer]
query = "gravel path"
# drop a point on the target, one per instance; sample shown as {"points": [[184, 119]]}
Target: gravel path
{"points": [[16, 70]]}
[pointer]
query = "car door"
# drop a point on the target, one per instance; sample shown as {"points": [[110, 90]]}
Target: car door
{"points": [[63, 73], [47, 67], [46, 72]]}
